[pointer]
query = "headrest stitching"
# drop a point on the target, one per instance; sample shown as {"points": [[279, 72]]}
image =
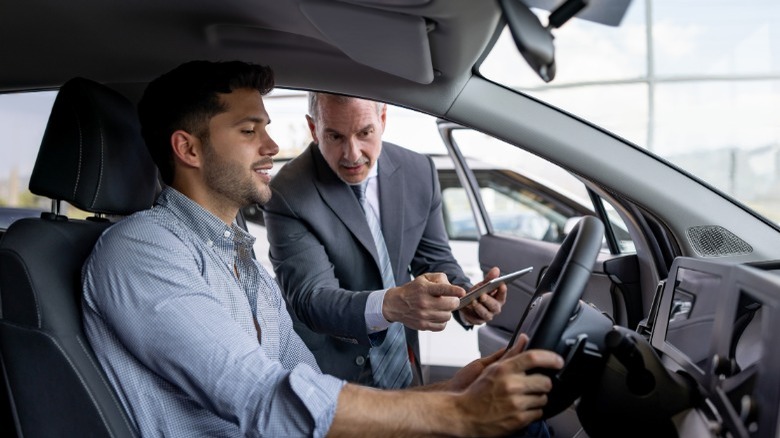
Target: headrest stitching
{"points": [[100, 170], [81, 147]]}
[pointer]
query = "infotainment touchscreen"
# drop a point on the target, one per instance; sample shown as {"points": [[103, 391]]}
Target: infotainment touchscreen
{"points": [[684, 325]]}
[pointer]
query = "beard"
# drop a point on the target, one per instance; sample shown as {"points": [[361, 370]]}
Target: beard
{"points": [[233, 181]]}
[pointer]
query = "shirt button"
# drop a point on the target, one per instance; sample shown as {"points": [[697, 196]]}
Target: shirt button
{"points": [[210, 243], [360, 360], [227, 233]]}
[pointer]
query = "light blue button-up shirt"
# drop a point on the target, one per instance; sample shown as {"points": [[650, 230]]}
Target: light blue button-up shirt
{"points": [[171, 296]]}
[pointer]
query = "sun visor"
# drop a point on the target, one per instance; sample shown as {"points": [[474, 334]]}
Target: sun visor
{"points": [[368, 39]]}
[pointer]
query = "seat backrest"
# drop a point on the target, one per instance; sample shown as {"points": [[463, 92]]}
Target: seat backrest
{"points": [[93, 157]]}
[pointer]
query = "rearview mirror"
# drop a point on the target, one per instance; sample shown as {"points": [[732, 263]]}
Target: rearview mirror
{"points": [[533, 41]]}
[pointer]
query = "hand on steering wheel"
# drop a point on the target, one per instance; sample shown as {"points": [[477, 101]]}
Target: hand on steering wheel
{"points": [[555, 300]]}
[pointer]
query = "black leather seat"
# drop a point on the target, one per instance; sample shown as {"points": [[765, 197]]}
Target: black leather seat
{"points": [[93, 157]]}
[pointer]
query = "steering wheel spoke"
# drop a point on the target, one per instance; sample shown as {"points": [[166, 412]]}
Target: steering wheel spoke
{"points": [[565, 279]]}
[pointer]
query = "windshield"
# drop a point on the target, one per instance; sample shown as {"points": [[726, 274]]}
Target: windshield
{"points": [[697, 83]]}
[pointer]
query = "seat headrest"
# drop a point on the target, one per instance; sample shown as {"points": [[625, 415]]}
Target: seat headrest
{"points": [[92, 154]]}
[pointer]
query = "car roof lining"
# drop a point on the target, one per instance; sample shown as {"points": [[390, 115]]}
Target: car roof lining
{"points": [[134, 42]]}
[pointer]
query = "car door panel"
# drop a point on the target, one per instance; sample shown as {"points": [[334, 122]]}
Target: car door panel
{"points": [[512, 253]]}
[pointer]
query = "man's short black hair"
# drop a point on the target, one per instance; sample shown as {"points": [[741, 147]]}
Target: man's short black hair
{"points": [[187, 98]]}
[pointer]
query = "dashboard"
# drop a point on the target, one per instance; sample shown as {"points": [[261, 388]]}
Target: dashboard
{"points": [[718, 324]]}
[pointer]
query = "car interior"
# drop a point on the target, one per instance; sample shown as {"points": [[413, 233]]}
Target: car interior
{"points": [[671, 338]]}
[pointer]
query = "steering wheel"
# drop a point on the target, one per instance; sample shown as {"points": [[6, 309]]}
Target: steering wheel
{"points": [[566, 278]]}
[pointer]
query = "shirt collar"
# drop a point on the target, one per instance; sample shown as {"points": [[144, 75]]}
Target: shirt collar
{"points": [[203, 223], [374, 171]]}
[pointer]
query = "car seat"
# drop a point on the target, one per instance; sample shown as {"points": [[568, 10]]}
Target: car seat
{"points": [[93, 157]]}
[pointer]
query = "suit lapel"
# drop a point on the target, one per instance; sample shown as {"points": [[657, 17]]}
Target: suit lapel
{"points": [[341, 201]]}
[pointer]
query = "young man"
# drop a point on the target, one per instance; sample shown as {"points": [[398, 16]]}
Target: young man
{"points": [[345, 265], [193, 333]]}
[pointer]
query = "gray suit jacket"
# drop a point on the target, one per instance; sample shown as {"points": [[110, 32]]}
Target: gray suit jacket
{"points": [[325, 258]]}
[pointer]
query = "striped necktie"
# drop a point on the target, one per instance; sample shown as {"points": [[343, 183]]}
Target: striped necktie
{"points": [[389, 361]]}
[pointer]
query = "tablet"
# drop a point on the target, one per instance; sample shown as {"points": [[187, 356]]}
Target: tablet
{"points": [[492, 284]]}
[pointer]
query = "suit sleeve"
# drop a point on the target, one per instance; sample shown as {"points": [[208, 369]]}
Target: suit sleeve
{"points": [[307, 279]]}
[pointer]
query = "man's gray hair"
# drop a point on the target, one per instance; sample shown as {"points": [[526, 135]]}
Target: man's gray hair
{"points": [[314, 98]]}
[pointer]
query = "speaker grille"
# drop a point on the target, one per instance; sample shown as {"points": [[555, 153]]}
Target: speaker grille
{"points": [[716, 241]]}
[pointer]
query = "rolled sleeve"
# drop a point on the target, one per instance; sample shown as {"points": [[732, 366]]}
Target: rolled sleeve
{"points": [[320, 395]]}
